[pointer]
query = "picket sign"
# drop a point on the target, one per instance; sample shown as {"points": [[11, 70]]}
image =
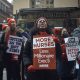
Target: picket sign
{"points": [[72, 47], [14, 45]]}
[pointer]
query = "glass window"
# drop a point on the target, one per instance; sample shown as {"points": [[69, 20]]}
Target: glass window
{"points": [[1, 6], [47, 1], [51, 1]]}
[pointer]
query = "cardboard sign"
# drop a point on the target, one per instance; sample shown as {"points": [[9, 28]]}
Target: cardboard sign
{"points": [[72, 47], [14, 45], [44, 52]]}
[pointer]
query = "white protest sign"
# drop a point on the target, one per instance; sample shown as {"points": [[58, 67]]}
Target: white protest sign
{"points": [[71, 47], [43, 42], [14, 45]]}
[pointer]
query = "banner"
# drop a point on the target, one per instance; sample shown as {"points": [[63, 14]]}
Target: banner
{"points": [[71, 47], [14, 45], [44, 52]]}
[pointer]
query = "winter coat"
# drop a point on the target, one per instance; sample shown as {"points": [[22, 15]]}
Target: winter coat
{"points": [[8, 57], [28, 53], [1, 48]]}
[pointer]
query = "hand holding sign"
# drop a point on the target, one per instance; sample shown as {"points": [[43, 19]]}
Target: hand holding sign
{"points": [[31, 68]]}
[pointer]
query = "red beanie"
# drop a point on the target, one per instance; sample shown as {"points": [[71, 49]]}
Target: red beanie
{"points": [[57, 31], [4, 26], [10, 20]]}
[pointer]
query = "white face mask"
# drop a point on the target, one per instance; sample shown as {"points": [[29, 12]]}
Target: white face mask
{"points": [[42, 23]]}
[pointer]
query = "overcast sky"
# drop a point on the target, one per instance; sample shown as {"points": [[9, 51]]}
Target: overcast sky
{"points": [[10, 0]]}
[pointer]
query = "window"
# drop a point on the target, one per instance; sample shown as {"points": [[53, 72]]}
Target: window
{"points": [[47, 1], [51, 1], [1, 6]]}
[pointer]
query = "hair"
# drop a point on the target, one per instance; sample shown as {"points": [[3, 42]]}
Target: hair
{"points": [[64, 29]]}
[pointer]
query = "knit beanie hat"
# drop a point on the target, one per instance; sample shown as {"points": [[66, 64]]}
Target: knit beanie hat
{"points": [[4, 26], [10, 20]]}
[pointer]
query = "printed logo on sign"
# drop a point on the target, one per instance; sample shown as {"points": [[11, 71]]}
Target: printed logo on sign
{"points": [[71, 40]]}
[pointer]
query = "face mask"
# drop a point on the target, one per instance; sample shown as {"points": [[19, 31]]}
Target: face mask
{"points": [[65, 35]]}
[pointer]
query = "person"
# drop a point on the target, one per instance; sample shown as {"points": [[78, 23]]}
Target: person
{"points": [[1, 54], [41, 29], [13, 58], [26, 36], [76, 33], [67, 66]]}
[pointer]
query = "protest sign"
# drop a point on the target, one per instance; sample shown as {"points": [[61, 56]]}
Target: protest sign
{"points": [[44, 52], [71, 47], [14, 45]]}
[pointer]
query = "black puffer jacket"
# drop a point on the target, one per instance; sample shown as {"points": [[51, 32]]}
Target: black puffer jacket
{"points": [[28, 52], [7, 56]]}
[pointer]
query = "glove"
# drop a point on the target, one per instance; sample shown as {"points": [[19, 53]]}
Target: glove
{"points": [[31, 68]]}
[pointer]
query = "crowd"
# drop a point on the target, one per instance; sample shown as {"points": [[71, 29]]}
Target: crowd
{"points": [[40, 54]]}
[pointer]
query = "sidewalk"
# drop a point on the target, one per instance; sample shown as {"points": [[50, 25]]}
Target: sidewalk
{"points": [[4, 74]]}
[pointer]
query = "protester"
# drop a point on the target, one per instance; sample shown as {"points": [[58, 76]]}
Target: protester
{"points": [[41, 29], [13, 58], [67, 66], [76, 33], [1, 55], [26, 36]]}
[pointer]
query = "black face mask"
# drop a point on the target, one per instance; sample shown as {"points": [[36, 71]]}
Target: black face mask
{"points": [[65, 35], [12, 28]]}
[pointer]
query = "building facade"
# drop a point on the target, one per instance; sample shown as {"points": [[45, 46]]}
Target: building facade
{"points": [[57, 17], [6, 10], [18, 4], [43, 4], [60, 13], [66, 3]]}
